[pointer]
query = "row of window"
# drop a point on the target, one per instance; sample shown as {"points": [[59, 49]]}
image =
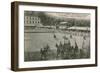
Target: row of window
{"points": [[31, 22], [31, 18]]}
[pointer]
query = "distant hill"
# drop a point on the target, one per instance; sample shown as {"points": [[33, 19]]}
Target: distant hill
{"points": [[49, 20]]}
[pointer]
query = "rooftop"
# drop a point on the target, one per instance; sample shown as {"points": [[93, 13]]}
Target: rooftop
{"points": [[79, 28]]}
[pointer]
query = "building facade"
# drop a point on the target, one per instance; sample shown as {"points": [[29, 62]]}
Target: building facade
{"points": [[31, 20]]}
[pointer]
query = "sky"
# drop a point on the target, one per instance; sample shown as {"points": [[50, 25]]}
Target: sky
{"points": [[85, 16]]}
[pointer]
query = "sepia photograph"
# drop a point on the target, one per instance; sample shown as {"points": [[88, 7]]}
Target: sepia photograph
{"points": [[56, 36]]}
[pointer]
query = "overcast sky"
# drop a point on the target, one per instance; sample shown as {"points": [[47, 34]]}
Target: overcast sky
{"points": [[85, 16]]}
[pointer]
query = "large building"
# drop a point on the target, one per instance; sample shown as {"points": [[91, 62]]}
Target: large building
{"points": [[31, 20]]}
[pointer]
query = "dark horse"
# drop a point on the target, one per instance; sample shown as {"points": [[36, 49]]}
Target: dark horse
{"points": [[44, 52]]}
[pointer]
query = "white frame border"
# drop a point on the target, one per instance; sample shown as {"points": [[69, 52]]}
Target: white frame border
{"points": [[34, 64]]}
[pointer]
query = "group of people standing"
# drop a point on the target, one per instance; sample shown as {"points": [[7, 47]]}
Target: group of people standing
{"points": [[67, 50]]}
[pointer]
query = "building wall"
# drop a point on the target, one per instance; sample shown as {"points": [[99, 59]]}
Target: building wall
{"points": [[32, 20]]}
